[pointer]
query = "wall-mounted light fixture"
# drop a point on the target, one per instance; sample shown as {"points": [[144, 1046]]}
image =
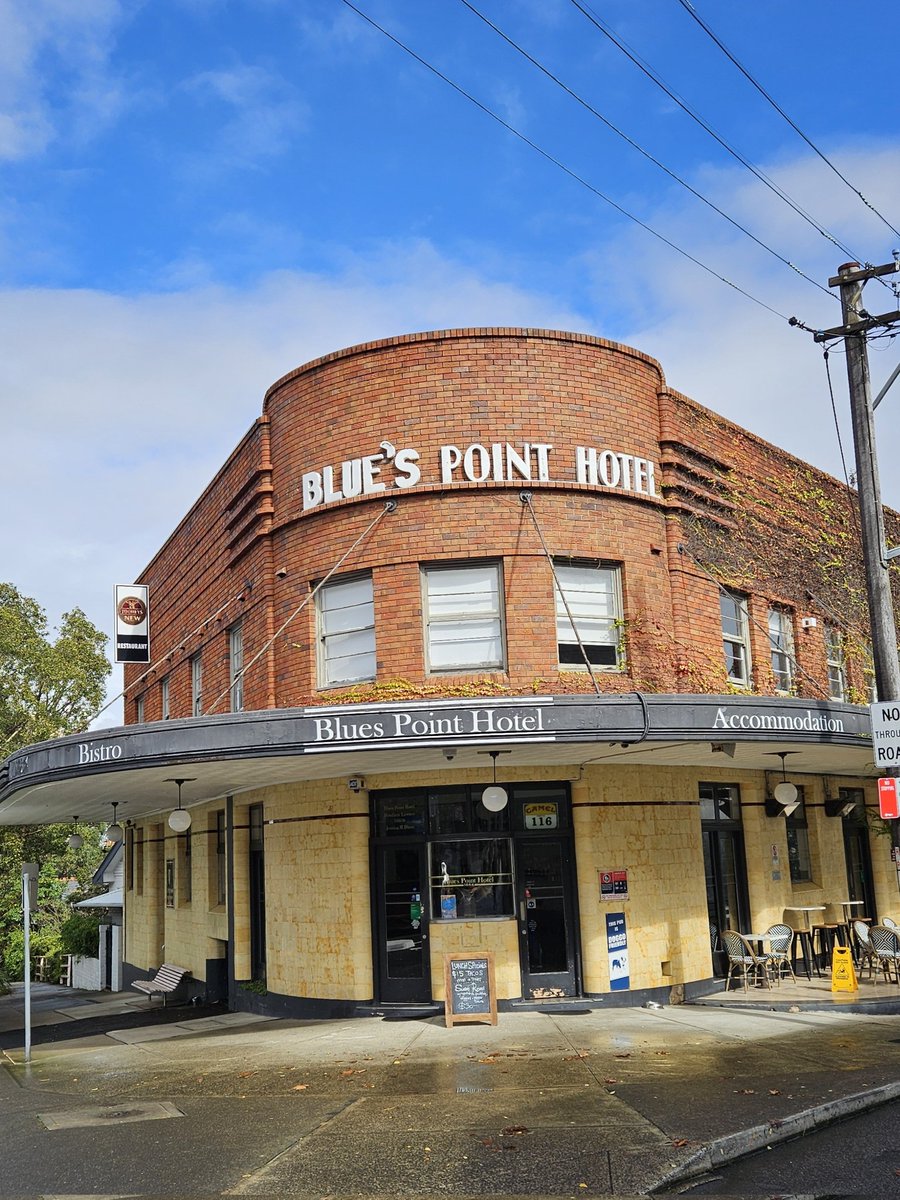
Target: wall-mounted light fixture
{"points": [[180, 819], [839, 806], [785, 798], [727, 748], [494, 797]]}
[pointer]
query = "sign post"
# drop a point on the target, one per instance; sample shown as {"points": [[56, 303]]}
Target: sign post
{"points": [[29, 901]]}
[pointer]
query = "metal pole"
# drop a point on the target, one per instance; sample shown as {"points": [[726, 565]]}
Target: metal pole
{"points": [[29, 873]]}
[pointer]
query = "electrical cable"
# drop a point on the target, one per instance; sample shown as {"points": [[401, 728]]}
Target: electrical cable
{"points": [[562, 167], [689, 8], [640, 149], [389, 507], [682, 104]]}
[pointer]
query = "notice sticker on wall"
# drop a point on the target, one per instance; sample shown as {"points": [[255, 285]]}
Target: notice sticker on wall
{"points": [[617, 950]]}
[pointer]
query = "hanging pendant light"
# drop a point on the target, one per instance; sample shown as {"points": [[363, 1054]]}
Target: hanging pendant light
{"points": [[74, 841], [115, 832], [180, 819], [494, 797]]}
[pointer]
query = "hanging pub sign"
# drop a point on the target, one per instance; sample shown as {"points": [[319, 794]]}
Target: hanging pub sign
{"points": [[132, 623]]}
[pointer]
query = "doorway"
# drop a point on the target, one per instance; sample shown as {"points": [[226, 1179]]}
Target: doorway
{"points": [[546, 916], [402, 961], [858, 856], [725, 866]]}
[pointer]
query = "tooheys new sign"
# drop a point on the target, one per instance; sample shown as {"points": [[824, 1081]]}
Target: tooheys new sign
{"points": [[132, 623]]}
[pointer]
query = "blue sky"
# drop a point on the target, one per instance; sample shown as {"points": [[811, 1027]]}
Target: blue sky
{"points": [[199, 195]]}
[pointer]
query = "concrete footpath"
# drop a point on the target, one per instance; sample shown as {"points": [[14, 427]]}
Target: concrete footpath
{"points": [[130, 1100]]}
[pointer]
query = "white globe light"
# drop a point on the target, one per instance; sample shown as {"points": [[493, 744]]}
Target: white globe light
{"points": [[114, 834], [180, 820], [785, 792], [494, 798], [75, 841]]}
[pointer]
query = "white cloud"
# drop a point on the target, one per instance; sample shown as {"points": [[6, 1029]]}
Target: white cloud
{"points": [[264, 113], [76, 38]]}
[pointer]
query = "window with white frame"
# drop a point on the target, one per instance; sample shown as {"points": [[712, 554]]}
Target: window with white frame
{"points": [[196, 685], [236, 667], [781, 643], [164, 698], [139, 705], [837, 666], [346, 634], [463, 608], [735, 637], [588, 616]]}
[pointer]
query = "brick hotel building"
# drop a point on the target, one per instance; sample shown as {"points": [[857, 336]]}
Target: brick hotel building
{"points": [[503, 559]]}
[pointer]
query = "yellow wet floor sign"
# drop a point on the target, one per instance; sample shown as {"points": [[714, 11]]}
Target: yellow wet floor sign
{"points": [[843, 976]]}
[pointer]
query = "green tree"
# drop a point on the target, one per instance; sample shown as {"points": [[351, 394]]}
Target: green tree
{"points": [[49, 686]]}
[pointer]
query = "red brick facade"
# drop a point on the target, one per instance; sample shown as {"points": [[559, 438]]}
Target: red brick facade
{"points": [[708, 501]]}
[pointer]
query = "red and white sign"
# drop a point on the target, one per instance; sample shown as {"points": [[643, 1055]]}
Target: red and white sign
{"points": [[888, 800]]}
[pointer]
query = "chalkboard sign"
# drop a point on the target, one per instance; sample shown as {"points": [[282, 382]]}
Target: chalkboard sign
{"points": [[469, 989]]}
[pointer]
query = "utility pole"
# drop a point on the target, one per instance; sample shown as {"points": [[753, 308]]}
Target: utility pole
{"points": [[857, 323]]}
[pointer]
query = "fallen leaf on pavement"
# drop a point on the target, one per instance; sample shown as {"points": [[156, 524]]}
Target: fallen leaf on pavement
{"points": [[516, 1129], [299, 1087]]}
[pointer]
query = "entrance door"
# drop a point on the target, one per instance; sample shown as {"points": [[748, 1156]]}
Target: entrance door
{"points": [[401, 882], [546, 913], [859, 866], [723, 854]]}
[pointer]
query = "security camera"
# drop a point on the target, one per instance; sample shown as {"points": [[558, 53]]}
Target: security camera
{"points": [[281, 573], [450, 754], [356, 784]]}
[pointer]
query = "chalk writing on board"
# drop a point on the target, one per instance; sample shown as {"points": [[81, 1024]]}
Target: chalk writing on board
{"points": [[470, 985]]}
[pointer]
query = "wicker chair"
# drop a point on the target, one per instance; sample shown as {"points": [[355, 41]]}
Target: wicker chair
{"points": [[864, 953], [743, 960], [889, 923], [886, 951], [781, 938]]}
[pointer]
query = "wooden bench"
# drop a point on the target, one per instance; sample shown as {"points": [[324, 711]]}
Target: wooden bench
{"points": [[166, 981]]}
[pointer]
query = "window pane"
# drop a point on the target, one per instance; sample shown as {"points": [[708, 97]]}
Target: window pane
{"points": [[587, 608], [464, 617], [735, 637], [471, 879], [347, 631]]}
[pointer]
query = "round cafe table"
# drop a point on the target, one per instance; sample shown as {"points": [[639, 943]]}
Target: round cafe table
{"points": [[803, 935], [847, 907]]}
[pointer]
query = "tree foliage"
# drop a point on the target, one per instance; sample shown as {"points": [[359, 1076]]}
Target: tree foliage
{"points": [[49, 686]]}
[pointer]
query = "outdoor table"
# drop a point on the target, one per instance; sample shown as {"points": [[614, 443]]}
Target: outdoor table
{"points": [[758, 939], [804, 935]]}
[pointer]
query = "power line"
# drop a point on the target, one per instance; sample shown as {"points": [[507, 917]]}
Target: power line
{"points": [[682, 104], [640, 149], [562, 166], [689, 8]]}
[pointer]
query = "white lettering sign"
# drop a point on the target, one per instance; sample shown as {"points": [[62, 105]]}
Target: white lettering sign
{"points": [[95, 754], [493, 462]]}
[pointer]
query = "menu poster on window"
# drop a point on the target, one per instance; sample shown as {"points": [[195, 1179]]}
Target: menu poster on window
{"points": [[617, 950]]}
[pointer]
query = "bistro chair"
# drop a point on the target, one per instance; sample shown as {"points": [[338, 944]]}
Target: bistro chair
{"points": [[865, 955], [886, 951], [780, 938], [744, 961], [889, 923]]}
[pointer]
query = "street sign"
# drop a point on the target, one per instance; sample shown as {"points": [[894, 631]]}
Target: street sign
{"points": [[885, 718], [888, 800]]}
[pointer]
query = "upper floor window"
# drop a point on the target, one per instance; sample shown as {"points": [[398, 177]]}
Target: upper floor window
{"points": [[236, 667], [346, 616], [588, 615], [463, 617], [735, 637], [164, 698], [139, 710], [837, 668], [196, 685], [781, 643]]}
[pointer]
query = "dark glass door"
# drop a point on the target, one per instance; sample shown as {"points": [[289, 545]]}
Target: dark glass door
{"points": [[257, 897], [858, 858], [546, 913], [401, 882], [726, 889]]}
